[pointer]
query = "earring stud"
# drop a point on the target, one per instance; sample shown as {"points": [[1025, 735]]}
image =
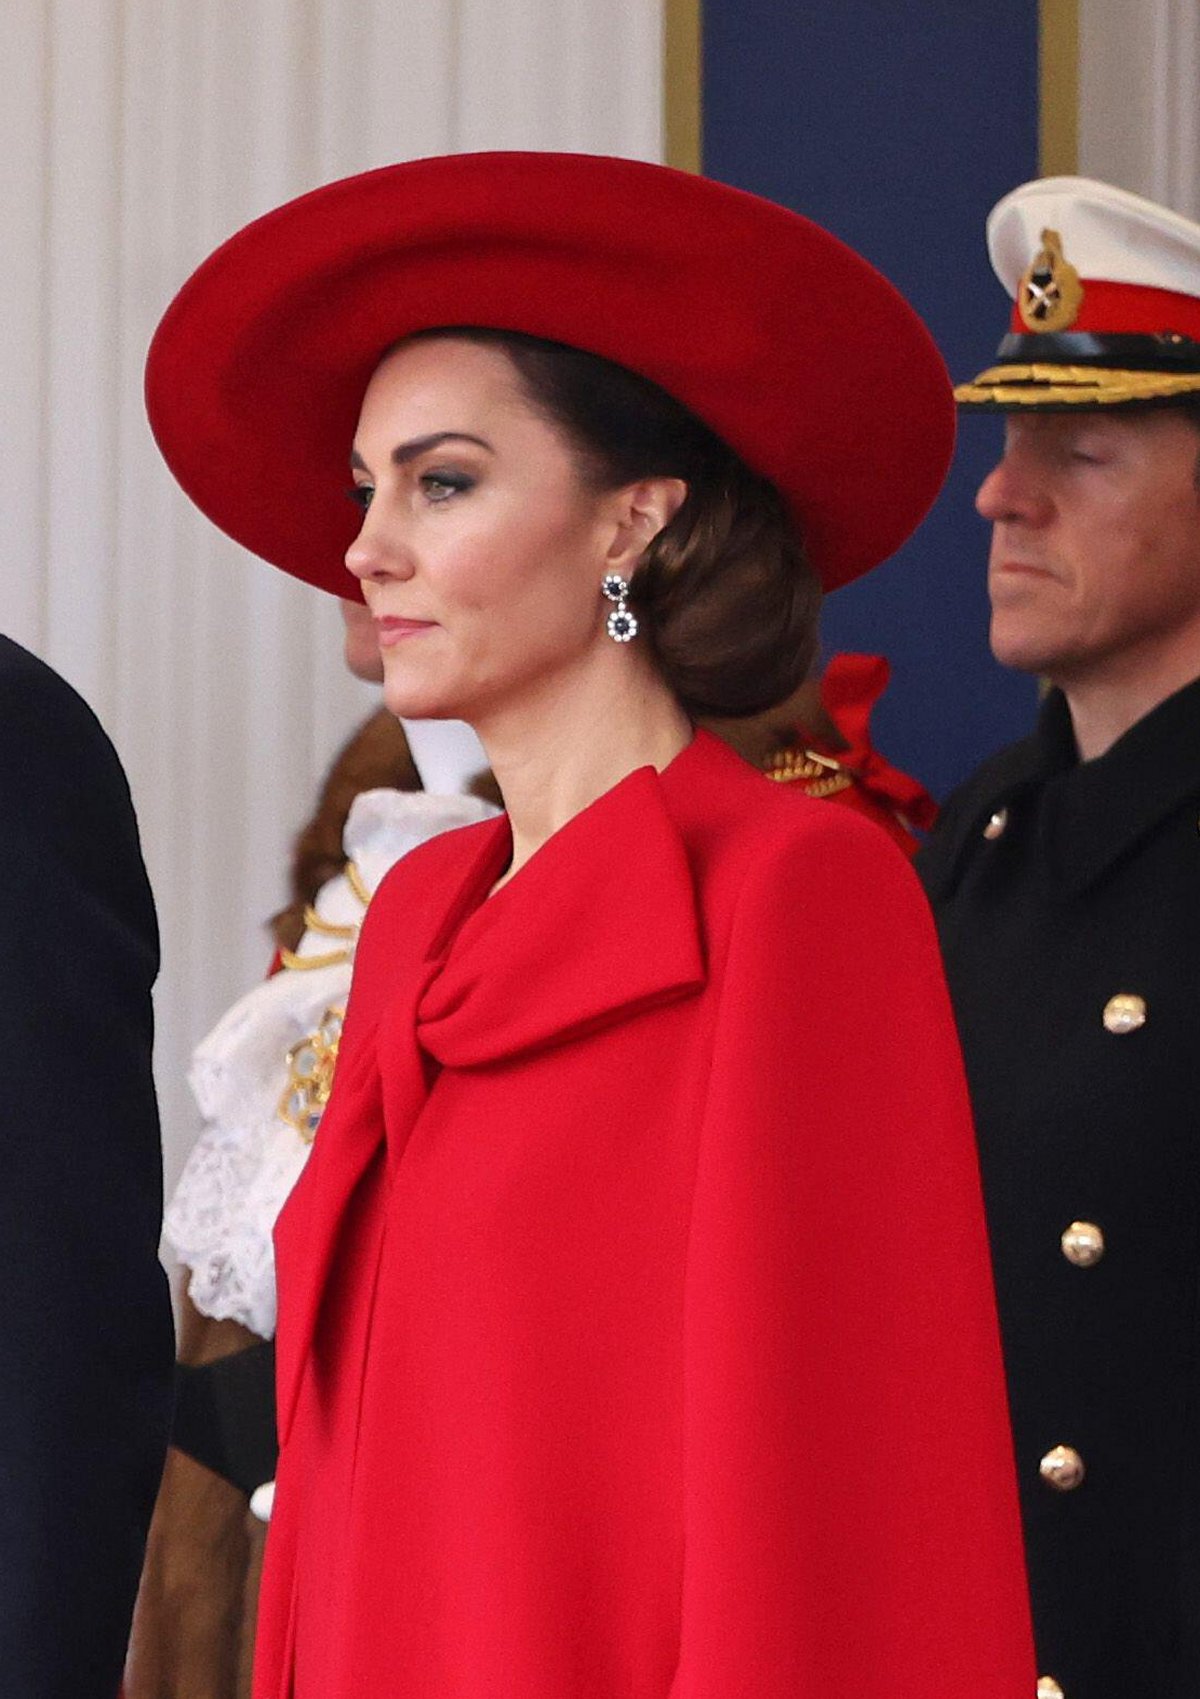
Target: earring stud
{"points": [[622, 626]]}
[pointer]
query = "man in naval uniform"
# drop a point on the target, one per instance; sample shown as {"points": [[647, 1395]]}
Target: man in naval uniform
{"points": [[1065, 877]]}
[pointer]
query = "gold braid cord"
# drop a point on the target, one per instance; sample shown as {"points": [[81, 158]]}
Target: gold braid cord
{"points": [[306, 964], [314, 923], [357, 884], [1081, 386]]}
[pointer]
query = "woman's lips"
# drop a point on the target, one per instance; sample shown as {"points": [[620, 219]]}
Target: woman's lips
{"points": [[392, 630]]}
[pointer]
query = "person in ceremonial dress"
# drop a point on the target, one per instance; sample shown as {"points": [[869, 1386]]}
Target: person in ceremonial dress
{"points": [[1063, 876], [86, 1343], [624, 1322]]}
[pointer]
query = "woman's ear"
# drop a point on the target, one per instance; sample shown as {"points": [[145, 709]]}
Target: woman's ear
{"points": [[642, 511]]}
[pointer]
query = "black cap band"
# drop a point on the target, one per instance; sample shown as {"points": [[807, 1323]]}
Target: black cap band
{"points": [[1166, 352]]}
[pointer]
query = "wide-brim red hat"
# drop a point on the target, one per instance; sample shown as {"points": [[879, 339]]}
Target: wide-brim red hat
{"points": [[799, 354]]}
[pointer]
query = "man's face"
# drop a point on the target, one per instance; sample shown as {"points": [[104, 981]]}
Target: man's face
{"points": [[1095, 558]]}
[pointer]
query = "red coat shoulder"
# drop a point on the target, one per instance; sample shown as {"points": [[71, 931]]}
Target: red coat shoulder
{"points": [[807, 860]]}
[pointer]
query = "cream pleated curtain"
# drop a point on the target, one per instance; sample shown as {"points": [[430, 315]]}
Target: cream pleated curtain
{"points": [[134, 135], [1139, 98]]}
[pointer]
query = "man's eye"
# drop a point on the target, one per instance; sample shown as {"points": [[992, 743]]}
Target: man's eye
{"points": [[440, 486], [360, 495]]}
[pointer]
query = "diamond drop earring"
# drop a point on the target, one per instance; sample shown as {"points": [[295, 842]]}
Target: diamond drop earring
{"points": [[622, 625]]}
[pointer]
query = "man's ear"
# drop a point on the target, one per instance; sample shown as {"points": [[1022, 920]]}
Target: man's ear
{"points": [[642, 511]]}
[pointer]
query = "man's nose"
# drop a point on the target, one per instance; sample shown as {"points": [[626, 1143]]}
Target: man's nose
{"points": [[1009, 493]]}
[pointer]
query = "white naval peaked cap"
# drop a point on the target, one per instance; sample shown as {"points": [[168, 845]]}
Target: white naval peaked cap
{"points": [[1107, 234], [1106, 293]]}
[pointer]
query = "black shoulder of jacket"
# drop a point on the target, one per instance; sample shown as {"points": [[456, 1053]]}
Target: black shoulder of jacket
{"points": [[64, 799], [967, 810], [45, 723]]}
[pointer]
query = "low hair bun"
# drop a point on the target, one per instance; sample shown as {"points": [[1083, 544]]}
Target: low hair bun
{"points": [[728, 598]]}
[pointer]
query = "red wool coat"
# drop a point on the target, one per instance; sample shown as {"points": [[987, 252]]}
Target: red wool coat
{"points": [[636, 1334]]}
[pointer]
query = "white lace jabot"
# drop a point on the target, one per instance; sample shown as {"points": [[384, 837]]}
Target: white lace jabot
{"points": [[248, 1157]]}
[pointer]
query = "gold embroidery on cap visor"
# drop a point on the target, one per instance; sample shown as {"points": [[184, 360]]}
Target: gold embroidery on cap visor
{"points": [[1049, 294], [1049, 385]]}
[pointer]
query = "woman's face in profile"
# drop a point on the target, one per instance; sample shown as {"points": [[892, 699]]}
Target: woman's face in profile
{"points": [[482, 548]]}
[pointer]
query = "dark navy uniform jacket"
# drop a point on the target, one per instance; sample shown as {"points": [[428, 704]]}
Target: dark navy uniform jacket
{"points": [[1067, 896], [85, 1326]]}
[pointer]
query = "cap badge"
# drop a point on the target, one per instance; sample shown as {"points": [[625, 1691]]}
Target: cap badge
{"points": [[1049, 294]]}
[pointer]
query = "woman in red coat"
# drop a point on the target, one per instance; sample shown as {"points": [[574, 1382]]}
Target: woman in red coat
{"points": [[636, 1337]]}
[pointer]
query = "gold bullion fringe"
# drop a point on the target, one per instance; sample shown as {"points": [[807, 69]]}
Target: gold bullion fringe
{"points": [[820, 776]]}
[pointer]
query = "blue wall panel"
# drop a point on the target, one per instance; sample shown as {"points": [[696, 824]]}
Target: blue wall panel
{"points": [[897, 124]]}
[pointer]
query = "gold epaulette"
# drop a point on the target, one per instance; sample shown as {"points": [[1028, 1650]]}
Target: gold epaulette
{"points": [[818, 775]]}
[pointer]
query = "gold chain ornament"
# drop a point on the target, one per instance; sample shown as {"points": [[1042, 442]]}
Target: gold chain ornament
{"points": [[311, 1065], [311, 1062]]}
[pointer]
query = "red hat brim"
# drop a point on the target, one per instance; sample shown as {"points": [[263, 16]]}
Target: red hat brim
{"points": [[785, 341]]}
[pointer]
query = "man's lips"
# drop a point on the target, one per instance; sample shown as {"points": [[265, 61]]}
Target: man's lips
{"points": [[394, 630], [1018, 569]]}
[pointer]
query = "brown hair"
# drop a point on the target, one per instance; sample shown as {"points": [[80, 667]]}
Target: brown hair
{"points": [[724, 592]]}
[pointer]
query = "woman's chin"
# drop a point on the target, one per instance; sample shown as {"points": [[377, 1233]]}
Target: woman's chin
{"points": [[405, 698]]}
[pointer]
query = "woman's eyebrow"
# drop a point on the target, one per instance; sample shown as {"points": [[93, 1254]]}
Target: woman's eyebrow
{"points": [[407, 451]]}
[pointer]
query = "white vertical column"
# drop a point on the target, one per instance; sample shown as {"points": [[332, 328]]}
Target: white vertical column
{"points": [[1139, 73], [25, 128]]}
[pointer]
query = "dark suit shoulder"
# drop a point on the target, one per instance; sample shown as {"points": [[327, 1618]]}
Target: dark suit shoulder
{"points": [[64, 799], [85, 1342], [45, 721]]}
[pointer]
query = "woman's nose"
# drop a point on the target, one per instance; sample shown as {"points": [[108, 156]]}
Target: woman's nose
{"points": [[375, 553]]}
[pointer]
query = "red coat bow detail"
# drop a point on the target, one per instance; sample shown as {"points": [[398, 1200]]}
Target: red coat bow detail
{"points": [[850, 688]]}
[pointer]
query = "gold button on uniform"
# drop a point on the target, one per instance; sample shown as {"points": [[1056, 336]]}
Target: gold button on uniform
{"points": [[1125, 1012], [1048, 1688], [1083, 1244], [1062, 1468], [996, 824]]}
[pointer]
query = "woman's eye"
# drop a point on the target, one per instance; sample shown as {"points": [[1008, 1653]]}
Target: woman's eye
{"points": [[360, 495], [440, 486]]}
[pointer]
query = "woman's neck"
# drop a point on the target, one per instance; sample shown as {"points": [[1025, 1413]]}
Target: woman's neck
{"points": [[556, 755]]}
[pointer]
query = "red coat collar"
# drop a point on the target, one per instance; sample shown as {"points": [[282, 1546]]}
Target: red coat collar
{"points": [[601, 923]]}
